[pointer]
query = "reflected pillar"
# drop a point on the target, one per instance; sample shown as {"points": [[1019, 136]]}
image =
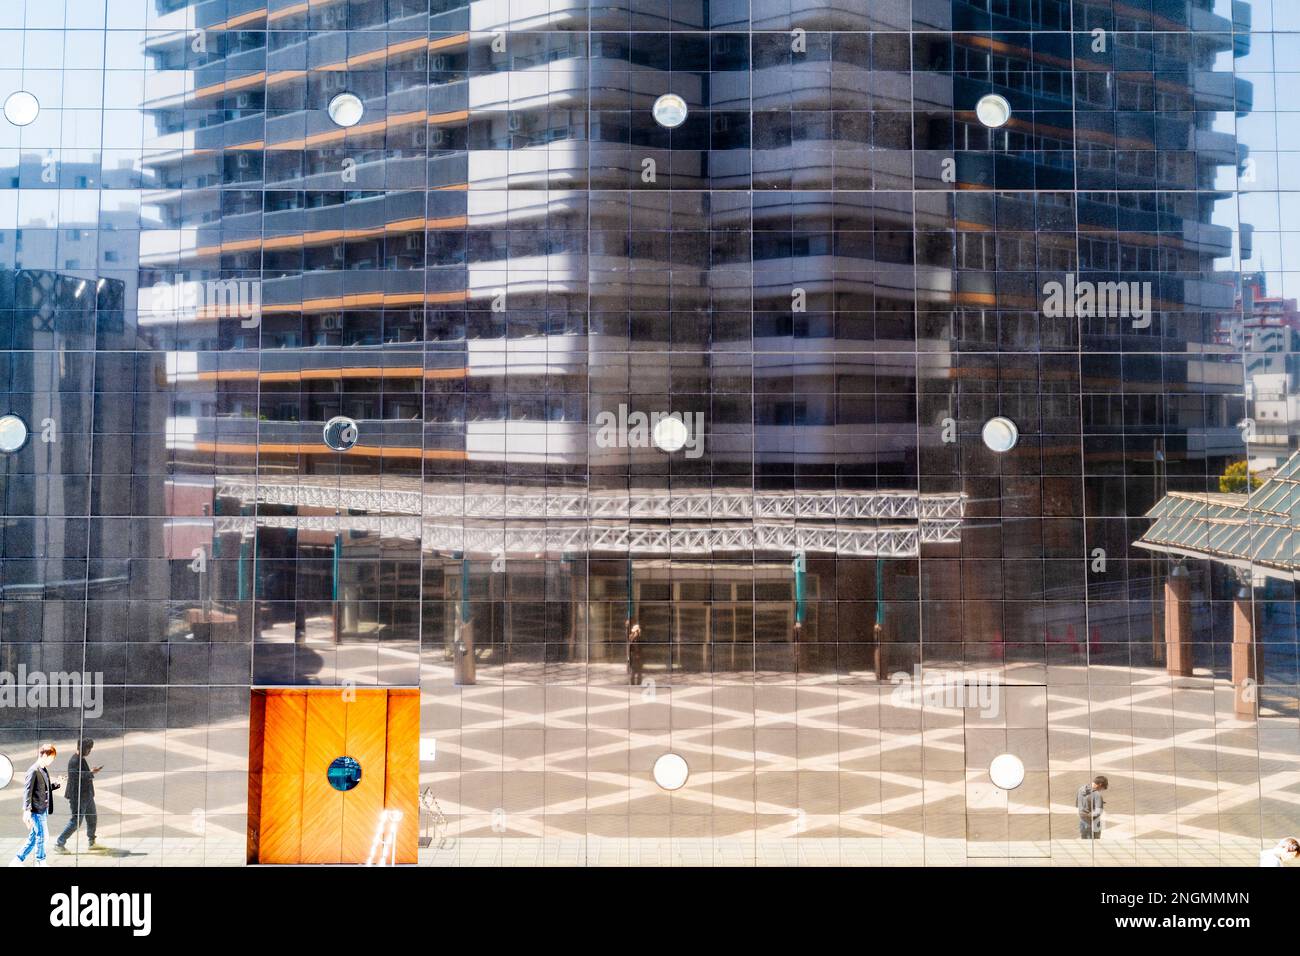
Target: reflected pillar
{"points": [[879, 660], [1178, 621], [1245, 671], [463, 648], [1157, 616]]}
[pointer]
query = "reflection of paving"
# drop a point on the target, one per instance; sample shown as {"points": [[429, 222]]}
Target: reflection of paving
{"points": [[153, 851], [316, 630], [803, 851], [533, 774], [782, 773], [821, 852], [165, 797]]}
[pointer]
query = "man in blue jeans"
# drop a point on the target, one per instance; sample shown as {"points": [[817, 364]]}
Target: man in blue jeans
{"points": [[38, 801]]}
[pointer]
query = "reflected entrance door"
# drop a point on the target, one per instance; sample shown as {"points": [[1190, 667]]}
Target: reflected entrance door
{"points": [[327, 770], [1007, 823]]}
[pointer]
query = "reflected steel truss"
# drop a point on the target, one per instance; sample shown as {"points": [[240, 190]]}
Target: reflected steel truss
{"points": [[893, 541], [350, 494]]}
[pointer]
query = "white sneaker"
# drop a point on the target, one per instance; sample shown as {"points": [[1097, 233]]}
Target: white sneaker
{"points": [[42, 862], [15, 862]]}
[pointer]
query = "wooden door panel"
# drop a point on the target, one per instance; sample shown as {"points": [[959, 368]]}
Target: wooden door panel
{"points": [[322, 805], [402, 780], [363, 805], [282, 755]]}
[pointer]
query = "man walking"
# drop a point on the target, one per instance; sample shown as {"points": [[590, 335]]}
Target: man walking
{"points": [[38, 801], [1088, 801], [81, 796]]}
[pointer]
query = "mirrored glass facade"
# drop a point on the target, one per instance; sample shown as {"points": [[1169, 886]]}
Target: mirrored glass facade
{"points": [[618, 440]]}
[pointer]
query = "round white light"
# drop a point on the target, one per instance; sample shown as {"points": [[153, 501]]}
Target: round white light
{"points": [[670, 110], [13, 433], [6, 771], [993, 110], [671, 434], [671, 772], [346, 109], [1007, 771], [1000, 434], [21, 108]]}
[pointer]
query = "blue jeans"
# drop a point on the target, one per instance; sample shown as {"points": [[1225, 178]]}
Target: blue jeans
{"points": [[36, 838]]}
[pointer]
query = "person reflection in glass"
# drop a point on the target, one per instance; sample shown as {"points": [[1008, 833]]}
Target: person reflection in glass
{"points": [[1089, 802], [634, 658], [81, 796], [38, 801]]}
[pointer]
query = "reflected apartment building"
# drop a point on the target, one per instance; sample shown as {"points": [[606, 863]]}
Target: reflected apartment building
{"points": [[832, 273]]}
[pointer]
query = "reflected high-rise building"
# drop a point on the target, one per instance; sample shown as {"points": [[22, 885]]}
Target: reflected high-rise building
{"points": [[659, 439]]}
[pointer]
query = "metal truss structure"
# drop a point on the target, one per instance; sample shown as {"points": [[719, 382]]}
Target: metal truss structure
{"points": [[890, 541], [346, 494]]}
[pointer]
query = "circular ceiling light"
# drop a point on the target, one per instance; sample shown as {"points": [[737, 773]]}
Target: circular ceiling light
{"points": [[13, 433], [671, 772], [346, 109], [21, 108], [993, 111], [671, 434], [1000, 434], [341, 433], [1007, 771], [670, 111], [6, 771]]}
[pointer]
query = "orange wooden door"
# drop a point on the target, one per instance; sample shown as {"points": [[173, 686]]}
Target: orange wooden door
{"points": [[285, 725], [322, 805], [402, 780], [363, 805], [300, 818]]}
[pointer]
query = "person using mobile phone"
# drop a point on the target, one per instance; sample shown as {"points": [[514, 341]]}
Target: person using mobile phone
{"points": [[81, 796]]}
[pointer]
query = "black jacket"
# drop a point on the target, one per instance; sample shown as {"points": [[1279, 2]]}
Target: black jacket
{"points": [[38, 791], [81, 782]]}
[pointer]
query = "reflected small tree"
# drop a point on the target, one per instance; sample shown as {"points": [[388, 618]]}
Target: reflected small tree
{"points": [[1236, 479]]}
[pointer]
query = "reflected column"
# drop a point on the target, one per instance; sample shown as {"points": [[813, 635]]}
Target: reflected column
{"points": [[1245, 669], [1178, 621], [464, 646]]}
